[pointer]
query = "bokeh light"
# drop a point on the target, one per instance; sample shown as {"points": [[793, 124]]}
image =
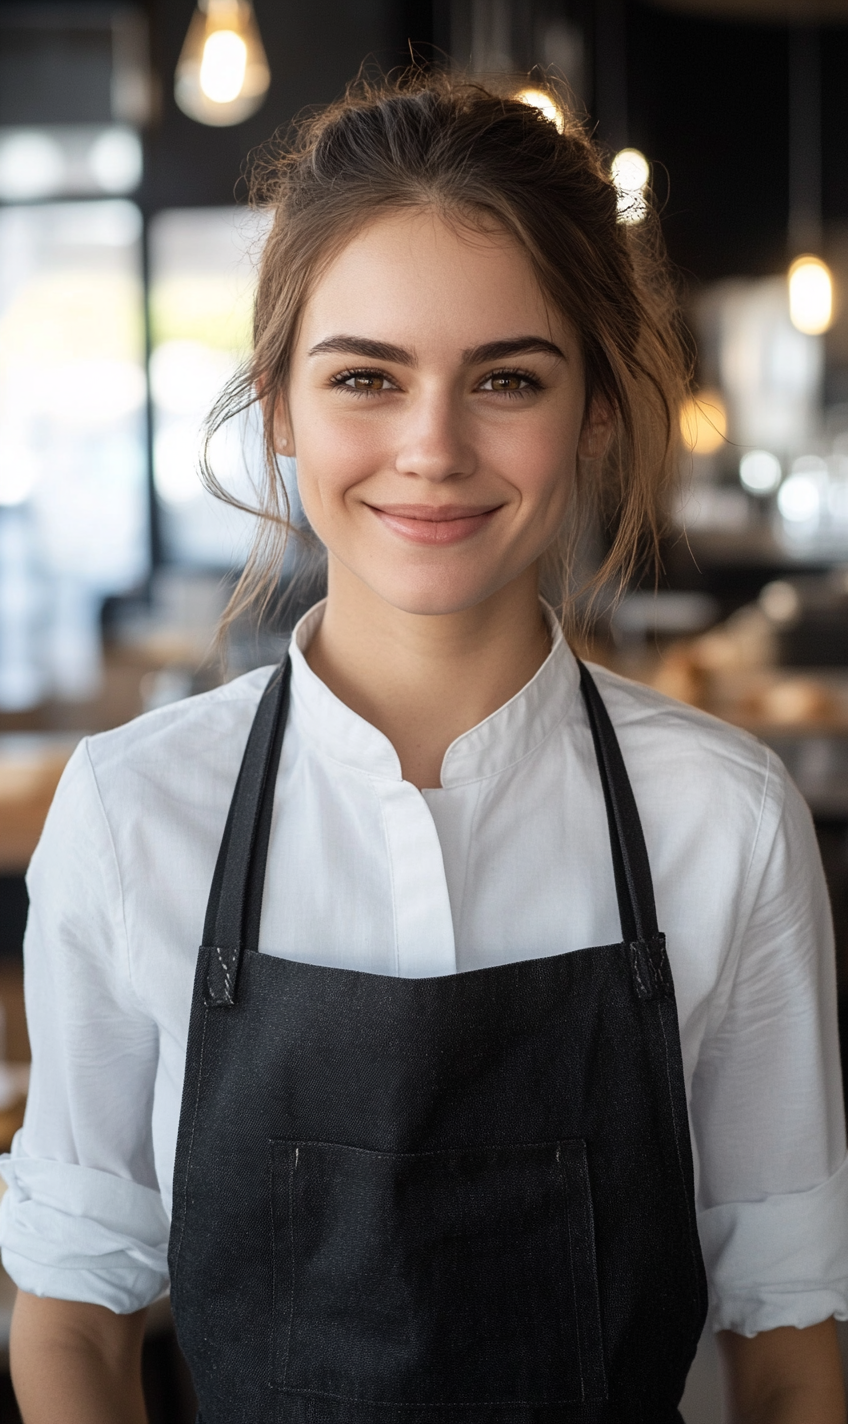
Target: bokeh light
{"points": [[760, 472], [545, 103], [799, 498], [703, 423], [630, 173], [810, 295]]}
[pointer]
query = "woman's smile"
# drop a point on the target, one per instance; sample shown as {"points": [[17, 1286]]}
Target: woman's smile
{"points": [[434, 524]]}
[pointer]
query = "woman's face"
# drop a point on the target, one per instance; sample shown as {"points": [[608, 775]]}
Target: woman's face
{"points": [[436, 409]]}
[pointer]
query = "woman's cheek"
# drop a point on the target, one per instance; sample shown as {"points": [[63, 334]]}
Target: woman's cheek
{"points": [[546, 482], [337, 457], [324, 488]]}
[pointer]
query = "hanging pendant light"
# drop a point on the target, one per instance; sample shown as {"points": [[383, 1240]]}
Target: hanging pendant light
{"points": [[222, 74], [809, 278]]}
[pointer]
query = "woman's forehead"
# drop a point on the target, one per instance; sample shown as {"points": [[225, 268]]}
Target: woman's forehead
{"points": [[418, 275]]}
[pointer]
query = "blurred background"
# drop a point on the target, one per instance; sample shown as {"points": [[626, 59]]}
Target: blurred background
{"points": [[127, 265]]}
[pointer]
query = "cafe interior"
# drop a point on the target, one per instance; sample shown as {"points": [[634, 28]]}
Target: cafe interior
{"points": [[128, 255]]}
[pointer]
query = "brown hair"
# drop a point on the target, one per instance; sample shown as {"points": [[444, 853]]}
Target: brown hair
{"points": [[477, 155]]}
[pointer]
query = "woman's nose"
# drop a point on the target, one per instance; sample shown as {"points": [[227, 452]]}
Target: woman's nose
{"points": [[435, 441]]}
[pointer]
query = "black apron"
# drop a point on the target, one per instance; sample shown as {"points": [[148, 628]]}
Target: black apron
{"points": [[455, 1200]]}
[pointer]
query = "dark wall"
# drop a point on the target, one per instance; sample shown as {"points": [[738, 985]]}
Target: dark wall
{"points": [[709, 101], [34, 75]]}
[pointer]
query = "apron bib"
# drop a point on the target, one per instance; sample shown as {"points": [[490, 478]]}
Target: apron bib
{"points": [[455, 1200]]}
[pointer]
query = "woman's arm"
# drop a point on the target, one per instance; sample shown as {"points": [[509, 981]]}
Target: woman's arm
{"points": [[784, 1376], [75, 1362]]}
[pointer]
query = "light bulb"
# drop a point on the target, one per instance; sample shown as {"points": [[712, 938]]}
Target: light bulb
{"points": [[630, 174], [223, 66], [810, 295], [538, 99], [222, 75]]}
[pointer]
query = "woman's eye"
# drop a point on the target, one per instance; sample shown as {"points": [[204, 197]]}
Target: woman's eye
{"points": [[364, 382], [509, 383]]}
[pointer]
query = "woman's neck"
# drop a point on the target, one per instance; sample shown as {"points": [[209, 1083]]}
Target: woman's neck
{"points": [[423, 680]]}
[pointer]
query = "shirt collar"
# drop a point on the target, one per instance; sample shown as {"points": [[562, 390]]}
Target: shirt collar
{"points": [[495, 744]]}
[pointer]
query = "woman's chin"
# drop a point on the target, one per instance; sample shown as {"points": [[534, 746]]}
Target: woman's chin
{"points": [[436, 598]]}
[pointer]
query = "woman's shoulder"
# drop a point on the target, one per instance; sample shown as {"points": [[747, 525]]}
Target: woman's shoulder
{"points": [[707, 789], [169, 772], [163, 763], [194, 727], [671, 739]]}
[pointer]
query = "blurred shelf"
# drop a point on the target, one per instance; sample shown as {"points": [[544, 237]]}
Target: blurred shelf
{"points": [[818, 764], [801, 713], [118, 700], [35, 745], [757, 547]]}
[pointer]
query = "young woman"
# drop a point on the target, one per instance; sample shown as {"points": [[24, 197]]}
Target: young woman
{"points": [[432, 1160]]}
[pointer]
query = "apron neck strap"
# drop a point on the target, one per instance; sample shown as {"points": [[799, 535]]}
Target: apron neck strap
{"points": [[235, 899], [633, 884]]}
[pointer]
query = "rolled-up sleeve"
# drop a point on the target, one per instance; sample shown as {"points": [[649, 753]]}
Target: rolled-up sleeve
{"points": [[82, 1218], [76, 1234], [767, 1106], [779, 1261]]}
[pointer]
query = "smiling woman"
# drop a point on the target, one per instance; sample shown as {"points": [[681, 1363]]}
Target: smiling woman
{"points": [[443, 441], [438, 161], [433, 1156]]}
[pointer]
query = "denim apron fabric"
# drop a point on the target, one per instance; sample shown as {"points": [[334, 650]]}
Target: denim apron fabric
{"points": [[455, 1200]]}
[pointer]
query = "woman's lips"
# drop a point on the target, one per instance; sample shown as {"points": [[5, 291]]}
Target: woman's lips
{"points": [[433, 524]]}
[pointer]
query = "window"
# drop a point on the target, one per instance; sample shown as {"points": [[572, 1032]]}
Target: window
{"points": [[73, 454], [202, 265]]}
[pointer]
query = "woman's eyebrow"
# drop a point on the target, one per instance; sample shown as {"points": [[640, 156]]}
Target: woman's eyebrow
{"points": [[501, 350], [363, 346]]}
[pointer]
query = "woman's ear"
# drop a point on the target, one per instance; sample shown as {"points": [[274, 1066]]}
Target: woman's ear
{"points": [[283, 437], [596, 434]]}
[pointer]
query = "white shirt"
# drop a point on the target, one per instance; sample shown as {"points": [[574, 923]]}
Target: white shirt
{"points": [[508, 860]]}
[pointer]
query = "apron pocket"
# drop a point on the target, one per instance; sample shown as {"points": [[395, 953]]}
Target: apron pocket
{"points": [[435, 1278]]}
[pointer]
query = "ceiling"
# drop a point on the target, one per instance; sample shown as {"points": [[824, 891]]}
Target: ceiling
{"points": [[770, 11]]}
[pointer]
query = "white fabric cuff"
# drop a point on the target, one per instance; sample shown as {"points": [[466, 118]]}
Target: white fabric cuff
{"points": [[779, 1261], [74, 1233]]}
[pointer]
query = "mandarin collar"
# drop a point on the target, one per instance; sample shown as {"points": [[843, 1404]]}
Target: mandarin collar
{"points": [[495, 744]]}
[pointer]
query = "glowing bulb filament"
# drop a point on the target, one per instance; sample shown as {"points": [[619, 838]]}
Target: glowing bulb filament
{"points": [[223, 66], [810, 295]]}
